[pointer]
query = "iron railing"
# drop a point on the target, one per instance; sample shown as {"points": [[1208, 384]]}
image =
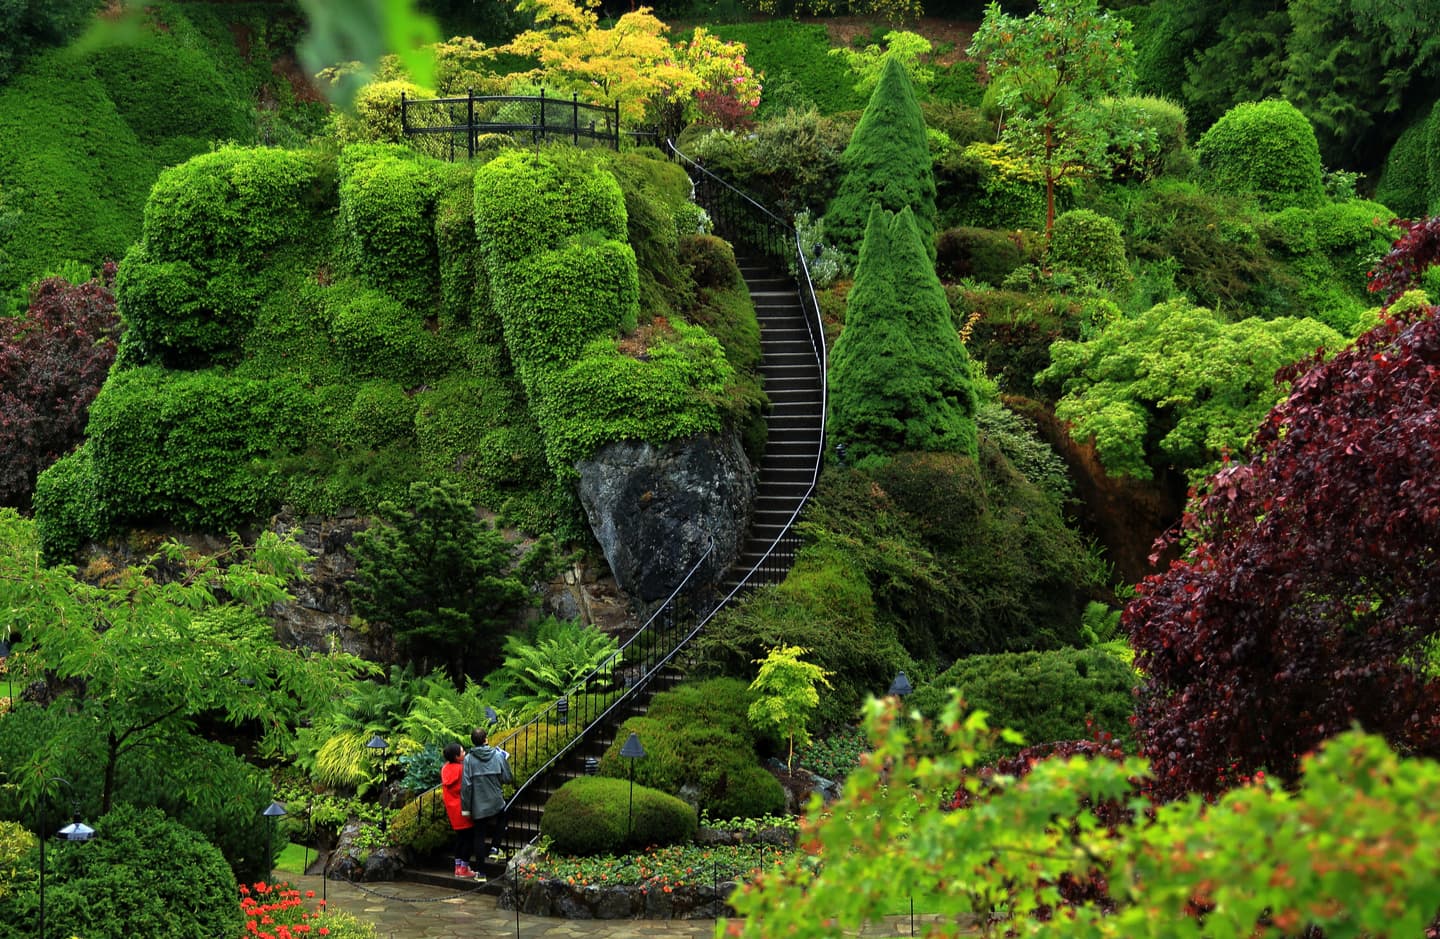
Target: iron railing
{"points": [[448, 121], [565, 724]]}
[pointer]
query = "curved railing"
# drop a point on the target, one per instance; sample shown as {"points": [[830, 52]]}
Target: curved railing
{"points": [[566, 723]]}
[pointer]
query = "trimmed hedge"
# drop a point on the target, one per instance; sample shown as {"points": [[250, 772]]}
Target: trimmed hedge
{"points": [[67, 508], [422, 825], [526, 202], [1410, 180], [387, 215], [594, 815], [980, 254], [1046, 696], [377, 336], [1267, 148], [182, 316], [195, 449]]}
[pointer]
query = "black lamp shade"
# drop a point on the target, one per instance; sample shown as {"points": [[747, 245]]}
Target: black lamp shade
{"points": [[901, 685], [490, 714], [377, 742], [632, 750], [274, 810], [4, 648], [592, 766]]}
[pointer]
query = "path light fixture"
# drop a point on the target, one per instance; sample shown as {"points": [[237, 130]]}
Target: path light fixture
{"points": [[632, 751], [378, 746], [562, 708], [490, 716], [592, 766], [901, 686], [75, 831], [273, 811]]}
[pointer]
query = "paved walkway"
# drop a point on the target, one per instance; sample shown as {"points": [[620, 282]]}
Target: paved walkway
{"points": [[402, 910]]}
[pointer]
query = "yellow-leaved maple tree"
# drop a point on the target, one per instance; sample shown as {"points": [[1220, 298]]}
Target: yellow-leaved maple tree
{"points": [[631, 63]]}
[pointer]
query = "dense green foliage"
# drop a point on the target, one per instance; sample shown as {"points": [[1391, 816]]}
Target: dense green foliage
{"points": [[900, 375], [799, 72], [1177, 387], [595, 815], [1064, 694], [887, 163], [188, 889], [439, 579], [699, 743], [1266, 148], [1090, 244]]}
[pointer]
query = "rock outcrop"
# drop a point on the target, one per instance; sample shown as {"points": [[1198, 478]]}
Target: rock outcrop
{"points": [[655, 509]]}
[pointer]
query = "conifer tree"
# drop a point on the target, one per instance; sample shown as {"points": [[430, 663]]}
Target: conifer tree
{"points": [[899, 377], [887, 163]]}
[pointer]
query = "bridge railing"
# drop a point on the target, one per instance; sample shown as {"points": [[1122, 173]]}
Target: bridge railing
{"points": [[456, 124]]}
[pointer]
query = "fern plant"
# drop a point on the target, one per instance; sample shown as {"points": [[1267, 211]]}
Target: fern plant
{"points": [[551, 663]]}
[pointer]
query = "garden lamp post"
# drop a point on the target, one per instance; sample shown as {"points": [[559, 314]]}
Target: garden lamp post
{"points": [[377, 744], [900, 687], [592, 766], [490, 716], [562, 708], [273, 811], [632, 751], [75, 831]]}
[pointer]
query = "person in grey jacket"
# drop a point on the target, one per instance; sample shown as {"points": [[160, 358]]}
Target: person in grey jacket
{"points": [[486, 769]]}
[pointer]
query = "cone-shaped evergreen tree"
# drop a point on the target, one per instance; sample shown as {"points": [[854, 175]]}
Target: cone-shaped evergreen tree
{"points": [[887, 163], [899, 377]]}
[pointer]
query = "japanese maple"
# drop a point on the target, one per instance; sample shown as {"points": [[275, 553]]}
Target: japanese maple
{"points": [[1308, 599], [53, 361]]}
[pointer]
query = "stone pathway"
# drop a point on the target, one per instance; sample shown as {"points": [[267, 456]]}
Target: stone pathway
{"points": [[402, 910]]}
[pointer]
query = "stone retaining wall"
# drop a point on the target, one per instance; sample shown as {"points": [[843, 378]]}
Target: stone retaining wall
{"points": [[552, 897]]}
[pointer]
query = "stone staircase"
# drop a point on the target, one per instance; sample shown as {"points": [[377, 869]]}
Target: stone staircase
{"points": [[792, 449]]}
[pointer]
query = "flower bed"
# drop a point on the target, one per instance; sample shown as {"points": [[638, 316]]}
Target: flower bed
{"points": [[691, 881]]}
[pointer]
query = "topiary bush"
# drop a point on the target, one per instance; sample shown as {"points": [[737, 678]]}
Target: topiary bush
{"points": [[67, 510], [1161, 125], [188, 889], [380, 414], [979, 186], [526, 201], [193, 448], [593, 815], [1266, 148], [387, 217], [464, 284], [1085, 241], [1046, 696], [182, 316], [378, 336]]}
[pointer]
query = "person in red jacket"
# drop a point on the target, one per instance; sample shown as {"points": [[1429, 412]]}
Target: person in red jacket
{"points": [[463, 825]]}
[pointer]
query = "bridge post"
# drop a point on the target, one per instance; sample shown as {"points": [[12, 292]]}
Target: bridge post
{"points": [[574, 119], [541, 131], [404, 124]]}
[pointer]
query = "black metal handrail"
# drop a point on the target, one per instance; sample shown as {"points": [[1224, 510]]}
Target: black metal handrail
{"points": [[545, 118], [687, 611]]}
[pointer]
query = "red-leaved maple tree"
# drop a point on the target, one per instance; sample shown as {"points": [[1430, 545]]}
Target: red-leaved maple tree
{"points": [[53, 361], [1309, 597]]}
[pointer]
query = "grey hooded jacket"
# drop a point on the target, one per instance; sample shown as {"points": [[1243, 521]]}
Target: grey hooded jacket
{"points": [[486, 769]]}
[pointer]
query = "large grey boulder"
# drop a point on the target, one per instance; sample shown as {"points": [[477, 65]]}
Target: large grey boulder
{"points": [[654, 509]]}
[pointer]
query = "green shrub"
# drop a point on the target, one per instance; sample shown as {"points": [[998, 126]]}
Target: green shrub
{"points": [[978, 186], [67, 511], [525, 202], [887, 163], [377, 336], [654, 190], [387, 214], [711, 261], [377, 113], [899, 376], [1267, 148], [422, 825], [980, 254], [793, 161], [1086, 241], [606, 395], [380, 413], [91, 890], [594, 815], [234, 205], [197, 105], [1013, 331], [16, 843], [193, 448], [464, 284], [1046, 696], [721, 702], [182, 316], [962, 123], [1153, 132], [479, 431]]}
